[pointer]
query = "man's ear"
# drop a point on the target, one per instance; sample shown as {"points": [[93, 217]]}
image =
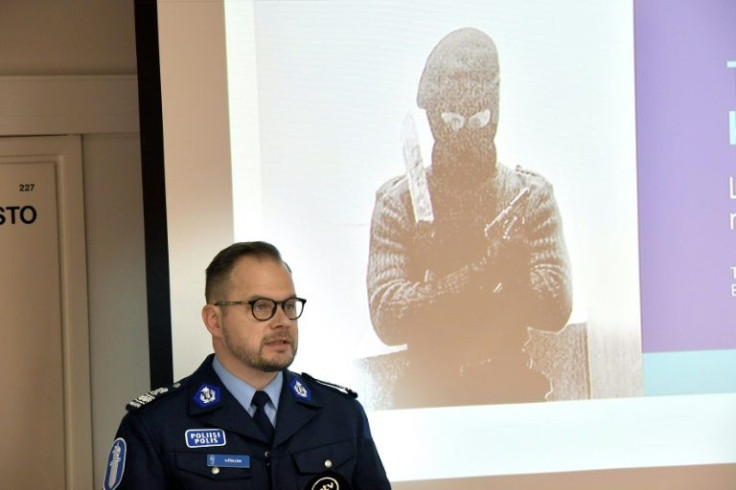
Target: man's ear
{"points": [[212, 318]]}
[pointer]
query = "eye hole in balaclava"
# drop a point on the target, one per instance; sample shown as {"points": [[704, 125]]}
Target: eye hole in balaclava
{"points": [[456, 121]]}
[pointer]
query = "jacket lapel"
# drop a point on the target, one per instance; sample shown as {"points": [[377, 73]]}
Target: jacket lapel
{"points": [[215, 406], [212, 403], [297, 406]]}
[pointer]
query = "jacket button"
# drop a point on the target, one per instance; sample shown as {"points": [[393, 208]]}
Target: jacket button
{"points": [[328, 463], [215, 470]]}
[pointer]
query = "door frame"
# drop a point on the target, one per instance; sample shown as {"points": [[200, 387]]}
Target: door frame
{"points": [[65, 153], [49, 106]]}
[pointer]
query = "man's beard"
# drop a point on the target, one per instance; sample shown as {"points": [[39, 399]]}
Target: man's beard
{"points": [[255, 359]]}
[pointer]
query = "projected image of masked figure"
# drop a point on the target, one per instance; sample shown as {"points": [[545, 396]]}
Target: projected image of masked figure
{"points": [[467, 253]]}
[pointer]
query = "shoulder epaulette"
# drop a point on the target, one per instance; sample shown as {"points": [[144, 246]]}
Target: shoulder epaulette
{"points": [[146, 398], [341, 389], [521, 170]]}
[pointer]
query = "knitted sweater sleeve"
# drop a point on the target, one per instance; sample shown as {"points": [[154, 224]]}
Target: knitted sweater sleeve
{"points": [[550, 284]]}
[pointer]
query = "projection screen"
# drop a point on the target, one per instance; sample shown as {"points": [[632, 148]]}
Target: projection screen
{"points": [[611, 279]]}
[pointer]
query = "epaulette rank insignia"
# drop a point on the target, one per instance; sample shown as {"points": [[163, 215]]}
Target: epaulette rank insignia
{"points": [[521, 170], [342, 389], [147, 398]]}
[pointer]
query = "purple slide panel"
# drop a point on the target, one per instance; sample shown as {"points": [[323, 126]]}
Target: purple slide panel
{"points": [[686, 156]]}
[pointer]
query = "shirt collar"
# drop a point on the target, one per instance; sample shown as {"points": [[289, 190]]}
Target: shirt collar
{"points": [[243, 392]]}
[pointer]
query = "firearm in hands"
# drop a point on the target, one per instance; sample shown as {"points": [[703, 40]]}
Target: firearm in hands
{"points": [[507, 221], [504, 218]]}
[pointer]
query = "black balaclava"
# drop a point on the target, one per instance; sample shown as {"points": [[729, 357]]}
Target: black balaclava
{"points": [[461, 77]]}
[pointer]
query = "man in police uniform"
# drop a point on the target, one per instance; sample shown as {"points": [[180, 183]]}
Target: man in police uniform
{"points": [[242, 419]]}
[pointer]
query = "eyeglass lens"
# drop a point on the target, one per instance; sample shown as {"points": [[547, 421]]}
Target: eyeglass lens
{"points": [[265, 308]]}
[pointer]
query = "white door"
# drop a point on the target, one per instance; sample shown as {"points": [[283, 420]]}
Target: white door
{"points": [[44, 354]]}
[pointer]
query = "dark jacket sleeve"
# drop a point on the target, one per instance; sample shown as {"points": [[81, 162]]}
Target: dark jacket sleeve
{"points": [[369, 471], [143, 467]]}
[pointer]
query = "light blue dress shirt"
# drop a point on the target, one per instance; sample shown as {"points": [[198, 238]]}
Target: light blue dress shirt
{"points": [[243, 392]]}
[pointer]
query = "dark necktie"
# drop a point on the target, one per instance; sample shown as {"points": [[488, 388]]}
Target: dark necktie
{"points": [[259, 400]]}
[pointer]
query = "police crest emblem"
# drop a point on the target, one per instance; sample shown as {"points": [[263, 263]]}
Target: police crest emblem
{"points": [[207, 395]]}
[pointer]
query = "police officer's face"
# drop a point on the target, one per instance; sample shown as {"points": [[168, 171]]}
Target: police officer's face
{"points": [[262, 345]]}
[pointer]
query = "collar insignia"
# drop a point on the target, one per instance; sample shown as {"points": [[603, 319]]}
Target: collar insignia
{"points": [[207, 395], [299, 390]]}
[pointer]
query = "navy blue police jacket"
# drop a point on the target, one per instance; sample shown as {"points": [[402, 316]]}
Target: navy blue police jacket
{"points": [[196, 435]]}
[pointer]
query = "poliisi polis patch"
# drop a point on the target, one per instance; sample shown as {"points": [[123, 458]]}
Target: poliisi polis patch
{"points": [[115, 464], [205, 437]]}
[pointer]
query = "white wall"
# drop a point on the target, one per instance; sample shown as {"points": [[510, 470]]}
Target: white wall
{"points": [[90, 37], [194, 97]]}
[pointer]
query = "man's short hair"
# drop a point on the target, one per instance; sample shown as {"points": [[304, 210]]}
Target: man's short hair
{"points": [[217, 273]]}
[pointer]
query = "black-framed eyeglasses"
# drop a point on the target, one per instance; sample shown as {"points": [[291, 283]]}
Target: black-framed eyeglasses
{"points": [[265, 308]]}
